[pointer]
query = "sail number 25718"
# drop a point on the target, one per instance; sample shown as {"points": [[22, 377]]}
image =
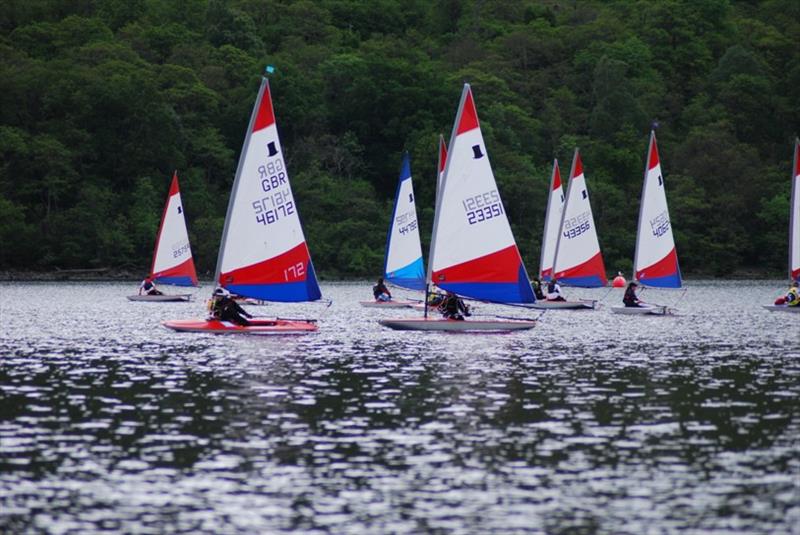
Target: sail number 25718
{"points": [[482, 207]]}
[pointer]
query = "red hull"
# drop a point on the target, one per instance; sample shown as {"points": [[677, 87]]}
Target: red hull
{"points": [[260, 326]]}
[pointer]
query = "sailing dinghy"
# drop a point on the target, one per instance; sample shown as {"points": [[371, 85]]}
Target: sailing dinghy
{"points": [[655, 262], [172, 257], [577, 259], [794, 230], [473, 252], [263, 253], [552, 225], [403, 261]]}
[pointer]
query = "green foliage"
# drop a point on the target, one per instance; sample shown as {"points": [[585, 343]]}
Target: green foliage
{"points": [[101, 100]]}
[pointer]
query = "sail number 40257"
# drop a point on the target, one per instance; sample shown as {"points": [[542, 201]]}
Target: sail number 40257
{"points": [[482, 207]]}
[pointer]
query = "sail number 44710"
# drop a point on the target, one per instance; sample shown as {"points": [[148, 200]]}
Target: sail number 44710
{"points": [[483, 206]]}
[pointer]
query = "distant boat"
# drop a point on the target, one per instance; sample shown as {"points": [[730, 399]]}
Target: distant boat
{"points": [[552, 222], [403, 264], [263, 254], [473, 252], [552, 227], [794, 229], [655, 262], [172, 258]]}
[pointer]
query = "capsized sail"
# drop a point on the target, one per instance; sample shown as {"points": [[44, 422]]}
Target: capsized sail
{"points": [[263, 253], [656, 260], [578, 260], [552, 220], [403, 263], [172, 257], [473, 251]]}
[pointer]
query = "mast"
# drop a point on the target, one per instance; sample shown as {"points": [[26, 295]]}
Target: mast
{"points": [[237, 178]]}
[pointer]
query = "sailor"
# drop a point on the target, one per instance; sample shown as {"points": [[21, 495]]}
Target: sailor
{"points": [[537, 288], [453, 307], [381, 292], [149, 287], [554, 291], [630, 299], [225, 308], [793, 295]]}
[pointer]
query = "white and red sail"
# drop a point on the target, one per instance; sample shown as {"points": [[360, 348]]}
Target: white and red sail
{"points": [[552, 222], [172, 257], [656, 260], [473, 251], [578, 260], [263, 253]]}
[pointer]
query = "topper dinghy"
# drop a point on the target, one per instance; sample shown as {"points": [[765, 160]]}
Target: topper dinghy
{"points": [[794, 230], [263, 253], [172, 258], [552, 227], [473, 252], [655, 262], [403, 261]]}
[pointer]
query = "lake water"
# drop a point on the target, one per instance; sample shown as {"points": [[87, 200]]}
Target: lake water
{"points": [[589, 423]]}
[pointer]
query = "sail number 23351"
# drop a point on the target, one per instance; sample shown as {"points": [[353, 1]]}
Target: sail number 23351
{"points": [[482, 207]]}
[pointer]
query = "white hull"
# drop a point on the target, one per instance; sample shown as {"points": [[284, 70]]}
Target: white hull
{"points": [[161, 298], [652, 310], [387, 304], [582, 304], [781, 308], [438, 324]]}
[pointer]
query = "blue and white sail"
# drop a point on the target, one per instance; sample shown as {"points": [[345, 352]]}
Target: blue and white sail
{"points": [[403, 265]]}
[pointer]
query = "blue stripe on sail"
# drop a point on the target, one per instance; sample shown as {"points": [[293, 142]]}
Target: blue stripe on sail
{"points": [[288, 292], [411, 276], [670, 281], [496, 292], [175, 281], [524, 285], [291, 292], [583, 282]]}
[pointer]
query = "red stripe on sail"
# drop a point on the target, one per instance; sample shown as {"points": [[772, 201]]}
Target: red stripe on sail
{"points": [[265, 116], [653, 154], [291, 266], [184, 269], [502, 266], [556, 176], [594, 267], [469, 115], [796, 274], [578, 171], [796, 158], [442, 154], [173, 188], [663, 268]]}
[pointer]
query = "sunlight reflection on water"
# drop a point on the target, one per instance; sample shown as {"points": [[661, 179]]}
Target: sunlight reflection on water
{"points": [[591, 422]]}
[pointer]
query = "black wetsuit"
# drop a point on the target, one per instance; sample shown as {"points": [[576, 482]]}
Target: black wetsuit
{"points": [[226, 309]]}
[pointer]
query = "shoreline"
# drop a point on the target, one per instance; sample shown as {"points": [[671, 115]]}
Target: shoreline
{"points": [[111, 274]]}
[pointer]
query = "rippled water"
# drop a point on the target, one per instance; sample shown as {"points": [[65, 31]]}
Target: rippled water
{"points": [[590, 423]]}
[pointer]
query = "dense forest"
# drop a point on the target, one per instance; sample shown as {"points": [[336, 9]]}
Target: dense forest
{"points": [[100, 100]]}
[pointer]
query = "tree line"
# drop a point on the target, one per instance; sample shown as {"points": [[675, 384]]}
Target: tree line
{"points": [[101, 99]]}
